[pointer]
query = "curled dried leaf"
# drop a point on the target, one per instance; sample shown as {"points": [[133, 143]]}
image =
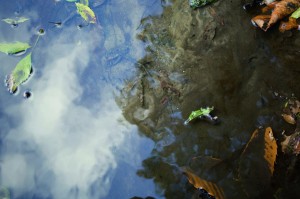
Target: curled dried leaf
{"points": [[288, 118]]}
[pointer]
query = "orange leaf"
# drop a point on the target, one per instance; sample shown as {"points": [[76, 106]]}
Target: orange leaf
{"points": [[199, 183], [270, 149]]}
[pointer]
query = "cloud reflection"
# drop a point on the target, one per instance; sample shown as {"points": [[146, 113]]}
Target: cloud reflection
{"points": [[60, 147]]}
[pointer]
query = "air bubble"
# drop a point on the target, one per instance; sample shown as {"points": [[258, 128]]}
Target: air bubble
{"points": [[27, 94]]}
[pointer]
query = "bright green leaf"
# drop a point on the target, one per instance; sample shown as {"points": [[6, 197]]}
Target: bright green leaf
{"points": [[17, 20], [20, 74], [199, 113], [296, 14], [86, 13], [85, 2], [72, 0], [13, 48]]}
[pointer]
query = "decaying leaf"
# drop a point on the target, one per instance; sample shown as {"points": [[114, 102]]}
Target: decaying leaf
{"points": [[20, 74], [270, 149], [288, 118], [4, 193], [13, 48], [291, 144], [15, 21], [281, 9], [86, 13], [199, 183]]}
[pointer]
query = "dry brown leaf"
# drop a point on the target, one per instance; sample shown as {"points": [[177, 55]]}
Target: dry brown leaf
{"points": [[270, 149], [288, 118], [199, 183]]}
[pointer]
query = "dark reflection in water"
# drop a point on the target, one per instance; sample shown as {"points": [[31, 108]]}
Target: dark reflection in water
{"points": [[213, 57]]}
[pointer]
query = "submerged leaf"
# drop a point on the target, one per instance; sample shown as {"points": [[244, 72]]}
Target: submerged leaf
{"points": [[20, 74], [16, 20], [296, 14], [199, 183], [85, 2], [13, 48], [86, 13], [199, 3], [270, 149], [72, 0]]}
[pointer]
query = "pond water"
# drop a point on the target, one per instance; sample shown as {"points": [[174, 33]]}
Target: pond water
{"points": [[108, 102]]}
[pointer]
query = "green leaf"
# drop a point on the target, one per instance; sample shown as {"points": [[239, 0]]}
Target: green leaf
{"points": [[13, 48], [86, 13], [20, 74], [85, 2], [296, 14], [72, 0], [199, 113], [17, 20]]}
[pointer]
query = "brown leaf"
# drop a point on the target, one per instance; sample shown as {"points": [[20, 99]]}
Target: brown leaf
{"points": [[199, 183], [288, 118], [270, 149]]}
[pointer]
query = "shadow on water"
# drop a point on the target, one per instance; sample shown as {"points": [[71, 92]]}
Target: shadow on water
{"points": [[149, 63]]}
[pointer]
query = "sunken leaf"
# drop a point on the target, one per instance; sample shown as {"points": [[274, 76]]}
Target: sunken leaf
{"points": [[85, 2], [13, 48], [20, 74], [270, 149], [199, 183], [296, 14], [16, 20], [86, 12]]}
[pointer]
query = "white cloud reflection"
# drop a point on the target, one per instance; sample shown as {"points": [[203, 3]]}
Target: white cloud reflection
{"points": [[69, 147]]}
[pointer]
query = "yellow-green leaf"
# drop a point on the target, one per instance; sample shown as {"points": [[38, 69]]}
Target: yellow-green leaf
{"points": [[13, 48], [17, 20], [20, 74], [296, 14], [86, 13]]}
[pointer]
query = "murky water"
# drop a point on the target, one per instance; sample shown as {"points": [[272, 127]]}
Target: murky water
{"points": [[108, 101]]}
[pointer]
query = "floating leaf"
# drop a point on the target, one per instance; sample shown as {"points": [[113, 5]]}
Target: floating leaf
{"points": [[71, 0], [202, 112], [86, 13], [4, 193], [256, 165], [199, 183], [20, 74], [296, 14], [13, 48], [15, 21], [270, 149], [85, 2]]}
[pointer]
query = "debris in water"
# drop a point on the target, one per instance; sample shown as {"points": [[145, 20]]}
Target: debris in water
{"points": [[27, 94], [199, 3]]}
